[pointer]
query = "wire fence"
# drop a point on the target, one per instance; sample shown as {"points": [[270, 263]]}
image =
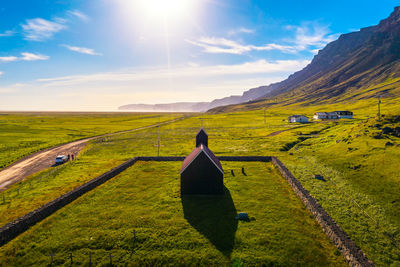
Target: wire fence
{"points": [[26, 186], [375, 221], [356, 204]]}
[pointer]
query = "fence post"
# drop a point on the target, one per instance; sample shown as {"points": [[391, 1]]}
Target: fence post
{"points": [[71, 257], [110, 259], [51, 258]]}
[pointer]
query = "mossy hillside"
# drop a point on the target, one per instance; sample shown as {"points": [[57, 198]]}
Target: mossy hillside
{"points": [[365, 105], [362, 183], [171, 230]]}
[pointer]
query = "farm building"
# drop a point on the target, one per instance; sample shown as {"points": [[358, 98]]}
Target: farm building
{"points": [[325, 116], [201, 171], [298, 118], [344, 114]]}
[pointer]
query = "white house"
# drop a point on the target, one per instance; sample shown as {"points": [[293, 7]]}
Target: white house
{"points": [[320, 116], [325, 116], [344, 114], [298, 118]]}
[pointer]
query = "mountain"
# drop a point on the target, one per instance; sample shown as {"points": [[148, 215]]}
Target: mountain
{"points": [[202, 106], [357, 65], [180, 107]]}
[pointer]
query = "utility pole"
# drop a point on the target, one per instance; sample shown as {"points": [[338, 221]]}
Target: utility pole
{"points": [[202, 120], [265, 120], [379, 108], [158, 143]]}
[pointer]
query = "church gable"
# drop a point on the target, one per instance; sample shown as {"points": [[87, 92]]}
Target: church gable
{"points": [[202, 138]]}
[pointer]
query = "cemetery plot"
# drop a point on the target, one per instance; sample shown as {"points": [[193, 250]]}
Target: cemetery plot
{"points": [[139, 217]]}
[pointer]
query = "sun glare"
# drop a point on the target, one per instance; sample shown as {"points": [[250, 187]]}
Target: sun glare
{"points": [[168, 9]]}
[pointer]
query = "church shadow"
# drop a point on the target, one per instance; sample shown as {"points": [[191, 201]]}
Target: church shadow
{"points": [[213, 217]]}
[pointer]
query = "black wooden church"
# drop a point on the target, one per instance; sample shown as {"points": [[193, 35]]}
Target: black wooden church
{"points": [[201, 172]]}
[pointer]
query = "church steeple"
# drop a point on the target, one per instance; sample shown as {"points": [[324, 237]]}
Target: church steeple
{"points": [[202, 138]]}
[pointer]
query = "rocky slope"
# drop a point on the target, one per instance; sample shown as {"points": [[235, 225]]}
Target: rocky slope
{"points": [[345, 68]]}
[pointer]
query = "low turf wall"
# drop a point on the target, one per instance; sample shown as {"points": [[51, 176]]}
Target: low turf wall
{"points": [[351, 252], [222, 158], [20, 225]]}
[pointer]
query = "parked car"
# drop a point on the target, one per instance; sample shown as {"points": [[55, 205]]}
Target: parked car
{"points": [[60, 159]]}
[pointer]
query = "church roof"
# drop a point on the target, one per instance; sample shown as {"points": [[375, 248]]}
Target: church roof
{"points": [[201, 130], [196, 152]]}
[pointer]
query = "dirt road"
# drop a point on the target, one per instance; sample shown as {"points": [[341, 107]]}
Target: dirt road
{"points": [[278, 132], [45, 159]]}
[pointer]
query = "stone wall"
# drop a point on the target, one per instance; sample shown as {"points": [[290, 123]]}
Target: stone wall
{"points": [[351, 252], [222, 158], [161, 158], [245, 158]]}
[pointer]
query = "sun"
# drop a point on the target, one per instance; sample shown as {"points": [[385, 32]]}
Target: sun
{"points": [[166, 9]]}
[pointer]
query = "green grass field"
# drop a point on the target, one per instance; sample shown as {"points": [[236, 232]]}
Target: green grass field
{"points": [[25, 133], [361, 172], [180, 231], [177, 139]]}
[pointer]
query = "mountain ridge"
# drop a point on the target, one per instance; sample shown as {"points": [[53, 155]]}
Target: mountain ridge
{"points": [[343, 69], [248, 95]]}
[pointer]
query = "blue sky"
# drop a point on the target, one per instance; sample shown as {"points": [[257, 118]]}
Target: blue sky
{"points": [[98, 55]]}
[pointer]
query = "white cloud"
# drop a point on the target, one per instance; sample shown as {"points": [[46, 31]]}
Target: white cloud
{"points": [[107, 91], [1, 73], [223, 45], [24, 57], [314, 51], [311, 36], [11, 89], [78, 14], [39, 29], [33, 57], [241, 30], [6, 90], [193, 70], [8, 59], [82, 50], [7, 33]]}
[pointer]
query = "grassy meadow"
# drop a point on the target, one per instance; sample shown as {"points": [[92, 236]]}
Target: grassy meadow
{"points": [[170, 230], [359, 190], [22, 134]]}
